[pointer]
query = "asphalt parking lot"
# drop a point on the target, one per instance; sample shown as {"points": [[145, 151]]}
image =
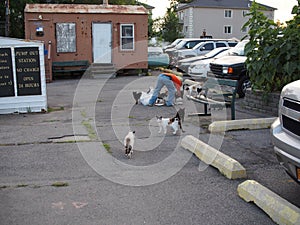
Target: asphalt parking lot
{"points": [[67, 166]]}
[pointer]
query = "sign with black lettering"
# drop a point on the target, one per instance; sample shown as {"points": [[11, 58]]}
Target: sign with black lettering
{"points": [[6, 73], [28, 71]]}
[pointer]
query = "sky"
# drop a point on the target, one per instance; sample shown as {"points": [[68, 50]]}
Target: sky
{"points": [[283, 12]]}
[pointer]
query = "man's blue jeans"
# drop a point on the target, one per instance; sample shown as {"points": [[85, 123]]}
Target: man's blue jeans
{"points": [[163, 80]]}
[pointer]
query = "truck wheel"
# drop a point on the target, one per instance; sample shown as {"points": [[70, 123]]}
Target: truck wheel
{"points": [[243, 84]]}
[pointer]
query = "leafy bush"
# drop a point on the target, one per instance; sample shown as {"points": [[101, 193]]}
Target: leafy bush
{"points": [[273, 51]]}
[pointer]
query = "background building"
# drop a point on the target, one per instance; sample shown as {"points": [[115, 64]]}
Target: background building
{"points": [[102, 34], [218, 18]]}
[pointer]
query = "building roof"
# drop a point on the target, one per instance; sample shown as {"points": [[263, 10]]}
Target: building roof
{"points": [[149, 7], [230, 4], [85, 8], [8, 41]]}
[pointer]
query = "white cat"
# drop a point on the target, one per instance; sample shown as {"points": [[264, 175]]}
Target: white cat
{"points": [[128, 143], [174, 123]]}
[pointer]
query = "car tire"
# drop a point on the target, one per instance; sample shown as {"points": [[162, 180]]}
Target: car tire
{"points": [[243, 84]]}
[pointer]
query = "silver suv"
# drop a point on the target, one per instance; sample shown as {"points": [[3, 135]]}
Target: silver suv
{"points": [[185, 43], [203, 48], [285, 131]]}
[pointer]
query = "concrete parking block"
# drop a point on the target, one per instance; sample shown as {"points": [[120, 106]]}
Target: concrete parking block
{"points": [[249, 124], [229, 167], [280, 210]]}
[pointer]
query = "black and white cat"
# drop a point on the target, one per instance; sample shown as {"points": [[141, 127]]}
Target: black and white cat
{"points": [[174, 123], [194, 90], [128, 143]]}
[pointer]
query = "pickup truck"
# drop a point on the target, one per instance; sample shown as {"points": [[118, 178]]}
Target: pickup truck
{"points": [[285, 132], [233, 67]]}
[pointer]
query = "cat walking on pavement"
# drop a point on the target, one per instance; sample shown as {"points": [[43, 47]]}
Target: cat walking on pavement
{"points": [[128, 143], [174, 123]]}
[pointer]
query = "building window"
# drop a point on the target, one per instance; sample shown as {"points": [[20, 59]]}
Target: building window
{"points": [[66, 37], [227, 29], [127, 37], [228, 13]]}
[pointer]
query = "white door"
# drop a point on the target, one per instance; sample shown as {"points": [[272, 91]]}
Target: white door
{"points": [[102, 42]]}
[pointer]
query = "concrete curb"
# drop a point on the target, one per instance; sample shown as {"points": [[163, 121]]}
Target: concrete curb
{"points": [[280, 210], [229, 167], [252, 124]]}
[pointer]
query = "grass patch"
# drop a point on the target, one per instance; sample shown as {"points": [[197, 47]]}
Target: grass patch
{"points": [[4, 186], [83, 114], [107, 147], [91, 131], [50, 121], [60, 184], [50, 109]]}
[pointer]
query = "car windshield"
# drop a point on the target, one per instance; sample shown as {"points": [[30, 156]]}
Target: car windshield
{"points": [[176, 42], [239, 49], [180, 44]]}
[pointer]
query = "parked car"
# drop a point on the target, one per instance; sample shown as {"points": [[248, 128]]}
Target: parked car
{"points": [[173, 44], [233, 67], [285, 131], [183, 64], [199, 69], [186, 43], [203, 48], [156, 57]]}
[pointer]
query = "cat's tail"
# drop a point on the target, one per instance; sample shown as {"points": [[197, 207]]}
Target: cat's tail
{"points": [[127, 143], [128, 147]]}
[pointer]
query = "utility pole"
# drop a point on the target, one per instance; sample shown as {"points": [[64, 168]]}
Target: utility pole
{"points": [[7, 18]]}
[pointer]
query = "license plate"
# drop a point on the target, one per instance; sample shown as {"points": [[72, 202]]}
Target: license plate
{"points": [[298, 173]]}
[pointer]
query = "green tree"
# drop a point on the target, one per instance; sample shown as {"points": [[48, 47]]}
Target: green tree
{"points": [[170, 26], [273, 52]]}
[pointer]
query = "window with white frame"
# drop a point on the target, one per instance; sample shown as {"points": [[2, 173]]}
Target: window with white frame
{"points": [[228, 13], [227, 29], [127, 37], [65, 37]]}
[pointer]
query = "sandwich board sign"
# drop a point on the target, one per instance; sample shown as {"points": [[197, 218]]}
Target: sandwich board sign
{"points": [[22, 76]]}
